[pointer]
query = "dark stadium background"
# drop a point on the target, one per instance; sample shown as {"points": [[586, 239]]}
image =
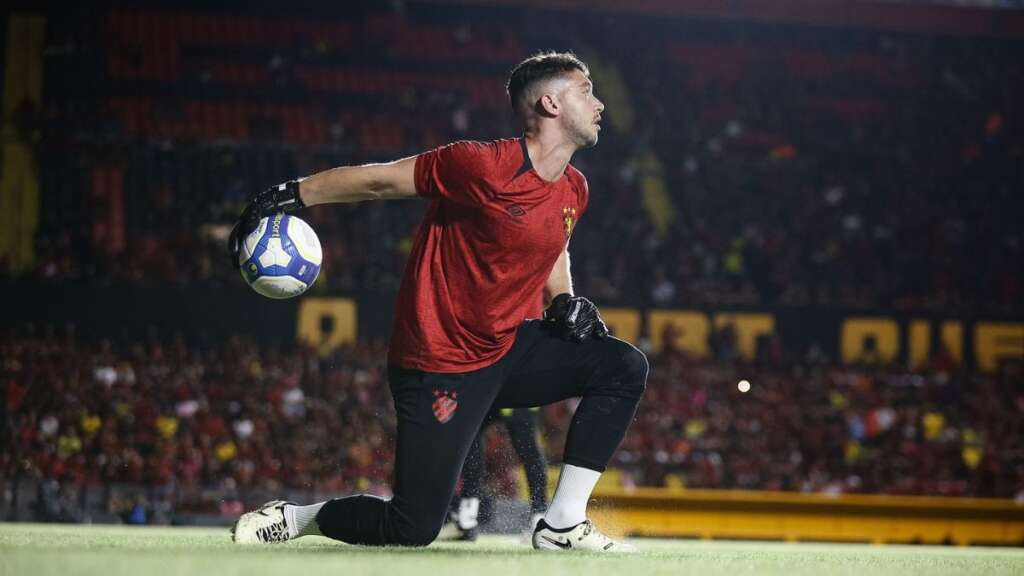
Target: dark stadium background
{"points": [[850, 173]]}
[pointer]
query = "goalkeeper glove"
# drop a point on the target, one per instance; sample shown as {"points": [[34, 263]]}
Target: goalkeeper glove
{"points": [[575, 318], [281, 198]]}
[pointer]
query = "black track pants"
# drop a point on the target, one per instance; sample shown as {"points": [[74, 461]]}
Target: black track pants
{"points": [[521, 424], [439, 416]]}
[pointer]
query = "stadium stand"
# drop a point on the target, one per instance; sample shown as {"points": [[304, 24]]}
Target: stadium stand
{"points": [[746, 165], [799, 166], [204, 426]]}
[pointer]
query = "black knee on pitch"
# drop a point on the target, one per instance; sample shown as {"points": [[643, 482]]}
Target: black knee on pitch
{"points": [[335, 519], [415, 535], [411, 525], [369, 520]]}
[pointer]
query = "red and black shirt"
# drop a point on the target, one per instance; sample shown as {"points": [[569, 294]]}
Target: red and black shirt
{"points": [[482, 255]]}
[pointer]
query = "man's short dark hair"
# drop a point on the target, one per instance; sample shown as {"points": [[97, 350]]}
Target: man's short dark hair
{"points": [[540, 66]]}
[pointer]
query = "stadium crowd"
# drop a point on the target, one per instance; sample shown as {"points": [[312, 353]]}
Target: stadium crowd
{"points": [[241, 421], [187, 419], [745, 165]]}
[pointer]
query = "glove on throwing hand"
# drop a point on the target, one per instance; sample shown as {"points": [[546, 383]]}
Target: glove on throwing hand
{"points": [[281, 198]]}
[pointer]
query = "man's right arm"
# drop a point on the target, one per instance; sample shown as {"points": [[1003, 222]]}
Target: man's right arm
{"points": [[346, 184], [392, 180]]}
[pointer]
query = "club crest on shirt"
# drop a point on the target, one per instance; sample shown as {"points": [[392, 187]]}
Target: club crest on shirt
{"points": [[569, 219], [445, 403]]}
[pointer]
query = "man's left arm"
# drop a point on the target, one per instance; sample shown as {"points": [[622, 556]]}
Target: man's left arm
{"points": [[560, 279]]}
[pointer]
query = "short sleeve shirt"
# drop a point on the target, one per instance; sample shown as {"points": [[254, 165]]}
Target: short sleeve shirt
{"points": [[482, 254]]}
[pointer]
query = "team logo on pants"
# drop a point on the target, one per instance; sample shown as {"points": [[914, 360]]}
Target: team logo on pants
{"points": [[445, 402]]}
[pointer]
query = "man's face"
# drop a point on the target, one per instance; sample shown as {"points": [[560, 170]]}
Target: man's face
{"points": [[581, 113]]}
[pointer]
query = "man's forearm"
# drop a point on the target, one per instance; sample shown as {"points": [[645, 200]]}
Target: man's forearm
{"points": [[560, 279], [358, 183]]}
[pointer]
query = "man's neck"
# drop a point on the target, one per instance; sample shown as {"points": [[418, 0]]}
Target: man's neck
{"points": [[548, 154]]}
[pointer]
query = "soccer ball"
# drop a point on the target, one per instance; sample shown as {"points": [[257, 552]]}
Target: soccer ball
{"points": [[281, 258]]}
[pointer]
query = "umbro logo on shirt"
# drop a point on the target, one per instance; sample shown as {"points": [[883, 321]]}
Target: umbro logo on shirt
{"points": [[515, 210]]}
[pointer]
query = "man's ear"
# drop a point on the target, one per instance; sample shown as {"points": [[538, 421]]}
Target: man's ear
{"points": [[548, 106]]}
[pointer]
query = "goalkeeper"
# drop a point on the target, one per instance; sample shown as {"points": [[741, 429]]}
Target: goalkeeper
{"points": [[467, 333]]}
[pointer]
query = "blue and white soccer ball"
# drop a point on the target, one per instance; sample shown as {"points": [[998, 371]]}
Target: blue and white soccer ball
{"points": [[281, 258]]}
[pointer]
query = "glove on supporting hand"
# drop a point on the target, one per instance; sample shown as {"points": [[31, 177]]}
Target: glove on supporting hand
{"points": [[575, 318]]}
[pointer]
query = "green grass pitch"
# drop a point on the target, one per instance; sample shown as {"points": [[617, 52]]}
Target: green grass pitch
{"points": [[34, 549]]}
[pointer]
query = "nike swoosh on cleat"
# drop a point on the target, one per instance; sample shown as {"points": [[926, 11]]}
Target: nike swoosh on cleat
{"points": [[562, 545]]}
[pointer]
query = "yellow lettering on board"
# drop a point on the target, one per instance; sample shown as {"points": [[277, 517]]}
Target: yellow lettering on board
{"points": [[691, 329], [855, 333], [951, 335], [341, 311], [994, 342], [623, 322], [748, 327], [919, 342]]}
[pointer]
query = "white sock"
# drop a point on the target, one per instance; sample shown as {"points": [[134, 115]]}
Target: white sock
{"points": [[569, 506], [469, 510], [301, 520]]}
